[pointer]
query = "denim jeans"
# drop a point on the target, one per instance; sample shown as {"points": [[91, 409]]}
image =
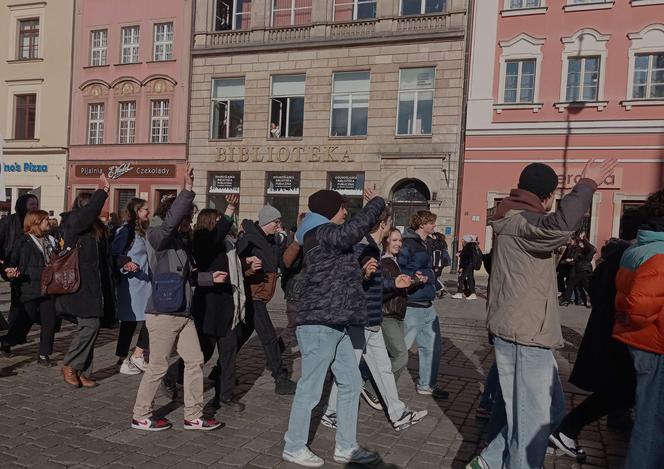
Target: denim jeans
{"points": [[490, 388], [646, 450], [375, 355], [422, 326], [534, 406], [322, 348]]}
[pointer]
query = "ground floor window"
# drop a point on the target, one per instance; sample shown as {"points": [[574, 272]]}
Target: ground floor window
{"points": [[163, 194], [221, 184], [6, 207], [283, 192], [626, 206], [351, 186], [122, 197]]}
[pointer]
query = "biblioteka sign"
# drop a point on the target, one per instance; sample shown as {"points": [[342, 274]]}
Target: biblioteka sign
{"points": [[283, 154]]}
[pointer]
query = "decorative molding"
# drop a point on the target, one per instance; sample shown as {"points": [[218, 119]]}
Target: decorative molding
{"points": [[500, 107], [521, 37], [588, 6], [599, 37], [629, 103], [159, 77], [524, 12], [600, 105], [25, 82], [125, 78], [95, 81], [27, 6], [642, 3]]}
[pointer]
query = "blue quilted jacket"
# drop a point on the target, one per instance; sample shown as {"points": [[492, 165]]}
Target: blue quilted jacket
{"points": [[414, 257]]}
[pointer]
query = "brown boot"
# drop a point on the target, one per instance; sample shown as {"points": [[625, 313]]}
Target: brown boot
{"points": [[70, 375], [87, 382]]}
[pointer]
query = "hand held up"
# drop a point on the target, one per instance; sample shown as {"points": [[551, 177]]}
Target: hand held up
{"points": [[599, 172]]}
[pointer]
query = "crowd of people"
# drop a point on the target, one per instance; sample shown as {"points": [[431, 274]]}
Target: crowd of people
{"points": [[359, 294]]}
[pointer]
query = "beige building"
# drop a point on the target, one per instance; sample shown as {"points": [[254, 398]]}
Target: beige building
{"points": [[35, 78], [289, 97]]}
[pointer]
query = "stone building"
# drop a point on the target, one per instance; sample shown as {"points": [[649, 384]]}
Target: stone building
{"points": [[288, 97]]}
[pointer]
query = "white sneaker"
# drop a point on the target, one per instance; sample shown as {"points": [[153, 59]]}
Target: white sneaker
{"points": [[329, 420], [472, 297], [139, 362], [408, 419], [458, 296], [355, 456], [305, 458], [128, 368]]}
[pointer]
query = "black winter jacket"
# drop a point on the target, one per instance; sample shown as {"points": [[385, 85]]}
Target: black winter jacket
{"points": [[375, 285], [11, 228], [333, 294], [94, 299], [395, 301], [213, 306], [29, 260], [414, 257]]}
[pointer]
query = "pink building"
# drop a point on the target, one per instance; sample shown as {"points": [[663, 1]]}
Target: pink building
{"points": [[130, 94], [559, 82]]}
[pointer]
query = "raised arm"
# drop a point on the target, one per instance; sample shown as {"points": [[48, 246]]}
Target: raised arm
{"points": [[344, 237]]}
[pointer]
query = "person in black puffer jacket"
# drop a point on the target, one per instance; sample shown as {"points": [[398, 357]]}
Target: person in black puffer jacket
{"points": [[333, 299], [467, 269], [582, 269]]}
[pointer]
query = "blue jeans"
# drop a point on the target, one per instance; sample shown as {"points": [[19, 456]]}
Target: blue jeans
{"points": [[534, 406], [646, 447], [490, 388], [422, 326], [322, 348]]}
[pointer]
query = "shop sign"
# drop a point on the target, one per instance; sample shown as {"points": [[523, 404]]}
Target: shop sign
{"points": [[283, 154], [573, 176], [224, 183], [126, 170], [283, 183], [351, 184], [24, 168]]}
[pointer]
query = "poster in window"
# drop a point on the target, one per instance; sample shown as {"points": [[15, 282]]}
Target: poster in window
{"points": [[224, 183], [283, 184], [348, 184]]}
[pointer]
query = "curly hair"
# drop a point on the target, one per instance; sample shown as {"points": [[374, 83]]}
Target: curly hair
{"points": [[422, 217], [654, 206]]}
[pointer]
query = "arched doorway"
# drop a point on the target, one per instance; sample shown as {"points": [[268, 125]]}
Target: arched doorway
{"points": [[408, 196]]}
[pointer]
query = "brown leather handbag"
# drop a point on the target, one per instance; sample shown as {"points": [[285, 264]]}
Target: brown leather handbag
{"points": [[61, 275]]}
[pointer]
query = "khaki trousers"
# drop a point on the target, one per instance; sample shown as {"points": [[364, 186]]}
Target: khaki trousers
{"points": [[165, 333]]}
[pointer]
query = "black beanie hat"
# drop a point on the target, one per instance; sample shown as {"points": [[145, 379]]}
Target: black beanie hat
{"points": [[538, 178], [326, 203]]}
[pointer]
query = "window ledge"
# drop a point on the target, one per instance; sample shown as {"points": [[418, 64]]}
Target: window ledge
{"points": [[427, 136], [128, 63], [629, 103], [535, 107], [221, 140], [350, 137], [642, 3], [589, 6], [95, 66], [600, 105], [524, 11], [25, 61], [160, 61], [22, 140], [285, 139]]}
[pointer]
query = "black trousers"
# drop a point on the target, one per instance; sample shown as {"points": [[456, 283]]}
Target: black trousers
{"points": [[126, 334], [467, 280], [581, 283], [36, 311], [224, 385], [257, 318], [16, 308], [594, 407]]}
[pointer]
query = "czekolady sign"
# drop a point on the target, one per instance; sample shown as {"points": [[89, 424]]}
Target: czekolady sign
{"points": [[125, 170]]}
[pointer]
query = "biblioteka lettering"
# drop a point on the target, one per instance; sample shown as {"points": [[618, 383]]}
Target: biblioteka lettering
{"points": [[273, 154]]}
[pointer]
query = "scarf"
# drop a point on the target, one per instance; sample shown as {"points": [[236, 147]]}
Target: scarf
{"points": [[519, 199], [237, 281]]}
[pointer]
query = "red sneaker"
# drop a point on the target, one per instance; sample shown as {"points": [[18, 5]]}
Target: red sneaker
{"points": [[151, 424], [202, 424]]}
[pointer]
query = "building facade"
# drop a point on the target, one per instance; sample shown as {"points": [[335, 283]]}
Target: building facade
{"points": [[35, 77], [130, 96], [559, 82], [289, 97]]}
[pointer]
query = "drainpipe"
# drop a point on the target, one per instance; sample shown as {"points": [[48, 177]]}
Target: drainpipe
{"points": [[462, 140]]}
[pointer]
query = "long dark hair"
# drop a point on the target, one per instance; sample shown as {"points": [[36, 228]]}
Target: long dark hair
{"points": [[133, 206], [82, 200], [207, 219]]}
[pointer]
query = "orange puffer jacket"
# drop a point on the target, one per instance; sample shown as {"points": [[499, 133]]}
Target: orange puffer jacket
{"points": [[640, 294]]}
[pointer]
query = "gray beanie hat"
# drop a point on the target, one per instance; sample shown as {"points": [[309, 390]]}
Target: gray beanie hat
{"points": [[268, 214]]}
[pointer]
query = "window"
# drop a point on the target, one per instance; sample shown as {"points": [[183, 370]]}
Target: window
{"points": [[283, 193], [350, 104], [287, 106], [159, 121], [130, 45], [348, 10], [95, 124], [422, 7], [227, 108], [232, 14], [582, 79], [127, 122], [163, 194], [219, 186], [648, 76], [519, 81], [415, 111], [291, 12], [25, 111], [163, 42], [122, 197], [351, 186], [28, 39], [98, 48], [519, 4]]}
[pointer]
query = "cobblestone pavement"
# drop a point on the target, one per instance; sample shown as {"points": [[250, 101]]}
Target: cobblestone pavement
{"points": [[46, 424]]}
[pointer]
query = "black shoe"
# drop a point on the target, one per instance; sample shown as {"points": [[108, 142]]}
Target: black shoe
{"points": [[284, 386], [372, 400], [5, 349], [564, 303], [230, 405], [45, 361], [567, 446]]}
